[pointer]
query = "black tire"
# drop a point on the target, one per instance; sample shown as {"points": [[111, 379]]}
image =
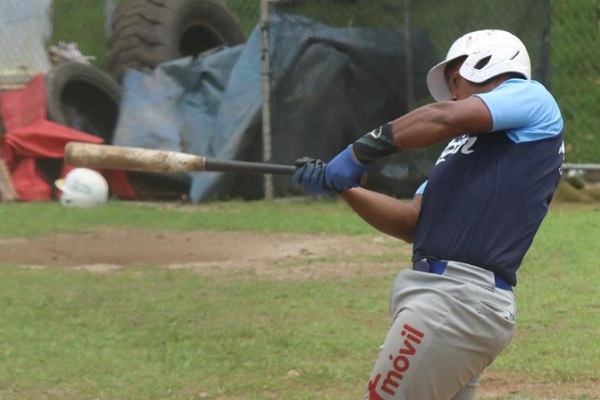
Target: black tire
{"points": [[84, 98], [146, 33]]}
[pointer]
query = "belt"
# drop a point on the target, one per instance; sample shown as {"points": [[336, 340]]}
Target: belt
{"points": [[438, 267]]}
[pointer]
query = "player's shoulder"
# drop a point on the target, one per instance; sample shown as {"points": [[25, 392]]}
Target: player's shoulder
{"points": [[530, 86], [524, 109], [521, 94]]}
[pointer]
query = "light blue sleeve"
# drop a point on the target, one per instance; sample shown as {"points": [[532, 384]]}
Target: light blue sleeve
{"points": [[421, 189], [524, 109]]}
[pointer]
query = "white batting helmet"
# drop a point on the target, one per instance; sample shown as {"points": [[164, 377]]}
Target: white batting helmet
{"points": [[489, 53], [83, 187]]}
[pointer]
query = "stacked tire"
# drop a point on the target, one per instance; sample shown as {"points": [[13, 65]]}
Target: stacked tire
{"points": [[83, 97], [146, 33]]}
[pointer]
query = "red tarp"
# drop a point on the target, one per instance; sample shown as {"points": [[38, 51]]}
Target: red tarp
{"points": [[30, 136]]}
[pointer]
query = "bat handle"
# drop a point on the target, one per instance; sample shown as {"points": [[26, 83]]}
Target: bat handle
{"points": [[212, 164]]}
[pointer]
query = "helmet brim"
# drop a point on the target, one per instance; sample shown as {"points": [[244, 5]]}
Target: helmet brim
{"points": [[437, 83]]}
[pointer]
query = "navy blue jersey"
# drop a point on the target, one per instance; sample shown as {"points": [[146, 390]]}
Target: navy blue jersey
{"points": [[489, 192]]}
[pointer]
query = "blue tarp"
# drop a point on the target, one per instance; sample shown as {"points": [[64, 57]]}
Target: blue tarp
{"points": [[211, 105], [199, 106]]}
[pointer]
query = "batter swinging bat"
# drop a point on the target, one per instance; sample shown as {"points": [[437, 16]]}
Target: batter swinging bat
{"points": [[104, 156]]}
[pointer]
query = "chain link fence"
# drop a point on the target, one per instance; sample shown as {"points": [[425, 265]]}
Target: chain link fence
{"points": [[562, 38], [365, 63]]}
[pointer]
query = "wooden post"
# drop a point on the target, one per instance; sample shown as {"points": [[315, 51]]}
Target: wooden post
{"points": [[7, 190]]}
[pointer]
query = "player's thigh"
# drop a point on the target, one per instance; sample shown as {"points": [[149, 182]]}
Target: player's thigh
{"points": [[432, 352]]}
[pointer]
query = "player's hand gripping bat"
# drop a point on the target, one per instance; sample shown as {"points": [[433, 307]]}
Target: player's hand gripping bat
{"points": [[104, 156]]}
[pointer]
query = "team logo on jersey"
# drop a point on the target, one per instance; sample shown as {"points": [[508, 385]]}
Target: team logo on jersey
{"points": [[400, 364], [462, 144]]}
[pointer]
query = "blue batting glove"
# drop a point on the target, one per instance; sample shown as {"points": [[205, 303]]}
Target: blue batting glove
{"points": [[311, 176], [344, 171]]}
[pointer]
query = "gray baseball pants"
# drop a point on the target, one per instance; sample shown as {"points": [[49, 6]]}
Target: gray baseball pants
{"points": [[446, 330]]}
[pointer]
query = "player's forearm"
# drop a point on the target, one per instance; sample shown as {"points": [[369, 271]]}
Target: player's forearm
{"points": [[422, 127], [441, 121], [391, 216], [425, 126]]}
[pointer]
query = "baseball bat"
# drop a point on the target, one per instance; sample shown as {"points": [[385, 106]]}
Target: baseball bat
{"points": [[103, 156]]}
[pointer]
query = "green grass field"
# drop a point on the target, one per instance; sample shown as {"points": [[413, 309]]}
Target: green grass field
{"points": [[149, 332]]}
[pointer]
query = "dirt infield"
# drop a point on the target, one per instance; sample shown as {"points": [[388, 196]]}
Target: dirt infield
{"points": [[203, 251]]}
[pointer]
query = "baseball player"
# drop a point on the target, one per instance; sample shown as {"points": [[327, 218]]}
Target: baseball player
{"points": [[470, 223]]}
